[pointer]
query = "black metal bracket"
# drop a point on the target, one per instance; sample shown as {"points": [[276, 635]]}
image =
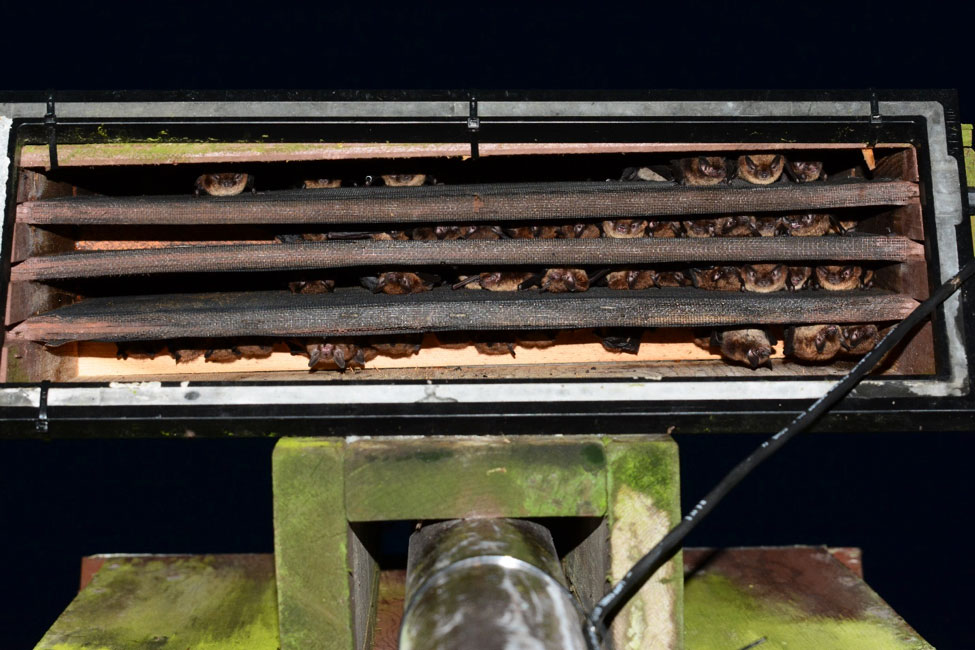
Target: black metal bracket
{"points": [[473, 127], [51, 120], [41, 424], [876, 119]]}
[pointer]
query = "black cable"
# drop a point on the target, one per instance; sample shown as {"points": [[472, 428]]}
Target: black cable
{"points": [[610, 605]]}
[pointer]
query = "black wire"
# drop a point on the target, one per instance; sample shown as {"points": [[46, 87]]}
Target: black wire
{"points": [[610, 605]]}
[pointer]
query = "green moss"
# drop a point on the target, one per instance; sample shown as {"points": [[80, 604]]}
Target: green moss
{"points": [[966, 135], [191, 603], [720, 614], [652, 469], [434, 479]]}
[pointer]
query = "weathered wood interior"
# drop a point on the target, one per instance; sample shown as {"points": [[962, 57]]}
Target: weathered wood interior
{"points": [[114, 249]]}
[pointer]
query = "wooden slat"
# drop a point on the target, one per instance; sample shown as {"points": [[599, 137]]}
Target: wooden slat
{"points": [[357, 312], [26, 299], [541, 252], [901, 166], [905, 220], [31, 241], [169, 153], [468, 203]]}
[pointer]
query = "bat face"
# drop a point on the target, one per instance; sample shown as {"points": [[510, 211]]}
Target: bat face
{"points": [[738, 226], [701, 228], [404, 180], [503, 280], [631, 279], [624, 228], [702, 170], [222, 184], [810, 224], [764, 278], [767, 226], [565, 280], [813, 342], [665, 229], [400, 283], [798, 277], [806, 171], [749, 346], [839, 278], [860, 339], [312, 286], [340, 355], [580, 231], [717, 278], [761, 169], [322, 183], [673, 279]]}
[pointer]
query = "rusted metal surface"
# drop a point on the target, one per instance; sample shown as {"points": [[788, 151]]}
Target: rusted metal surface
{"points": [[467, 203]]}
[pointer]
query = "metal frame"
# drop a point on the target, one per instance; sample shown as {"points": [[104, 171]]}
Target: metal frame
{"points": [[928, 119]]}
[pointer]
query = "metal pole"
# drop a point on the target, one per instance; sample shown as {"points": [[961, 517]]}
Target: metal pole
{"points": [[487, 584]]}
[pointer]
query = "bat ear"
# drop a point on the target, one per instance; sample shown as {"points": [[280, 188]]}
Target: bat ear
{"points": [[695, 278], [777, 161], [750, 163], [371, 283], [314, 356], [715, 338], [338, 356]]}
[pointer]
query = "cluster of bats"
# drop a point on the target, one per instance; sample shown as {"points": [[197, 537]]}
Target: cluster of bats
{"points": [[758, 278], [752, 347]]}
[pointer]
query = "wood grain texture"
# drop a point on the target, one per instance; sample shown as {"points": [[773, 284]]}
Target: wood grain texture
{"points": [[537, 252], [467, 203]]}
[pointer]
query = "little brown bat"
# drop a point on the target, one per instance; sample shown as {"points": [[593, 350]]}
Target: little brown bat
{"points": [[701, 228], [741, 225], [493, 344], [255, 350], [810, 224], [404, 180], [223, 183], [701, 170], [753, 347], [805, 171], [536, 339], [144, 350], [764, 278], [521, 232], [312, 286], [424, 233], [495, 281], [859, 339], [620, 339], [839, 278], [798, 277], [761, 169], [673, 279], [767, 226], [625, 228], [184, 353], [564, 280], [405, 345], [222, 355], [397, 283], [641, 174], [392, 235], [812, 342], [717, 278], [664, 229], [322, 183], [488, 233], [631, 279], [337, 353], [580, 231], [451, 233]]}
